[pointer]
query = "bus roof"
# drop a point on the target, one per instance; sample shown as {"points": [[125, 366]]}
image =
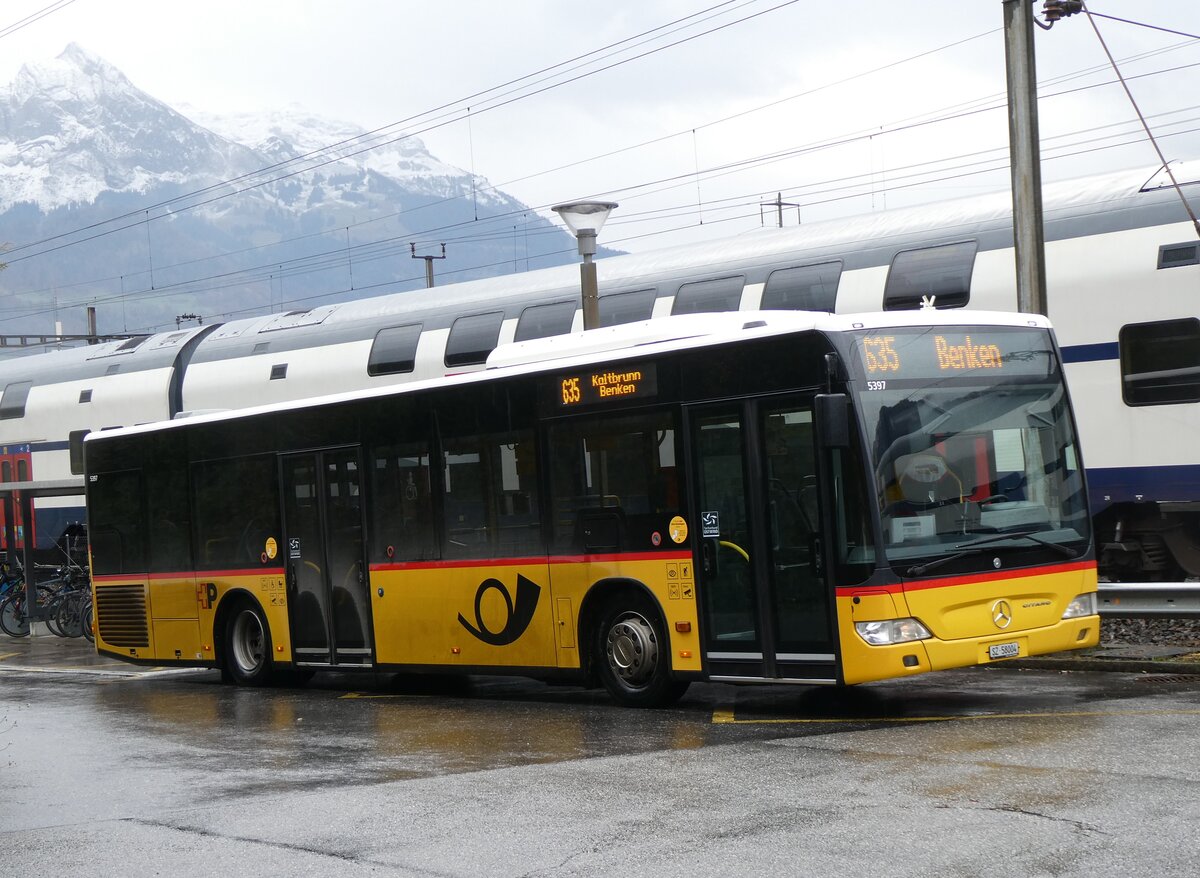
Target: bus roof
{"points": [[647, 337]]}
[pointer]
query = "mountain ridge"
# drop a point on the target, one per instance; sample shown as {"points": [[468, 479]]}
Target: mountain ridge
{"points": [[224, 197]]}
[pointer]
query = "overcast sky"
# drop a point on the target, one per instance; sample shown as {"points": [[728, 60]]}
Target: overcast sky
{"points": [[791, 75]]}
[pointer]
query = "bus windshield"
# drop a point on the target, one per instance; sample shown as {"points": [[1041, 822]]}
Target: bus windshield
{"points": [[973, 450]]}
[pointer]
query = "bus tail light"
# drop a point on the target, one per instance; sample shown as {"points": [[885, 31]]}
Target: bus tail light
{"points": [[1081, 605], [892, 631]]}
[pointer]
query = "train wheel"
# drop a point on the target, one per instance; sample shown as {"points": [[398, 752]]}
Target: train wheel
{"points": [[632, 654], [248, 646]]}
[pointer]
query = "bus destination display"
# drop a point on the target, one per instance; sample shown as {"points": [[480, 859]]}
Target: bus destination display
{"points": [[898, 354], [609, 384]]}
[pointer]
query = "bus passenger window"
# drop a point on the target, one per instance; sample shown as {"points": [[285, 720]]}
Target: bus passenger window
{"points": [[402, 507], [235, 511], [615, 483], [115, 526], [491, 507]]}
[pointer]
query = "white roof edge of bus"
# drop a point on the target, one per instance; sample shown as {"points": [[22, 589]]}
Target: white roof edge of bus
{"points": [[647, 337]]}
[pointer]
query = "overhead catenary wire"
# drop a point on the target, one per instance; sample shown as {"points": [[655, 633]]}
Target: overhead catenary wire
{"points": [[980, 105], [729, 170], [320, 158]]}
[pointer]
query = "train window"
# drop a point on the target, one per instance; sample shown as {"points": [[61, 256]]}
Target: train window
{"points": [[394, 350], [12, 403], [540, 321], [805, 288], [115, 522], [939, 276], [626, 307], [279, 370], [473, 338], [75, 450], [1160, 362], [85, 396], [1176, 255], [720, 294]]}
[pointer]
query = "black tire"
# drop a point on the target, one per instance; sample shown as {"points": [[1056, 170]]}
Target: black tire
{"points": [[13, 621], [86, 619], [632, 653], [247, 651], [69, 617]]}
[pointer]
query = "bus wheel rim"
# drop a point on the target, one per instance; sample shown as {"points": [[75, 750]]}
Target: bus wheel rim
{"points": [[632, 649], [248, 641]]}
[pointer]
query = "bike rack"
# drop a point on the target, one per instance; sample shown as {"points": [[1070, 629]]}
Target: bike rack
{"points": [[14, 495]]}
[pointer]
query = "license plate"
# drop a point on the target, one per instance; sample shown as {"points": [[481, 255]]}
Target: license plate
{"points": [[1004, 650]]}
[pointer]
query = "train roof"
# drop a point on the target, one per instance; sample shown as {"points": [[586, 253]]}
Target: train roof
{"points": [[1089, 205]]}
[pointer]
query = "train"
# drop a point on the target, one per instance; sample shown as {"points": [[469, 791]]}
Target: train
{"points": [[1123, 292]]}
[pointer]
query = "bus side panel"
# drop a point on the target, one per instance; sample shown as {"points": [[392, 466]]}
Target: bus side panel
{"points": [[496, 612], [124, 627], [268, 589], [669, 580], [175, 609]]}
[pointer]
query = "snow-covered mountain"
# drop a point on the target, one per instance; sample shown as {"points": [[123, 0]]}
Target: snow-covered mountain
{"points": [[111, 197]]}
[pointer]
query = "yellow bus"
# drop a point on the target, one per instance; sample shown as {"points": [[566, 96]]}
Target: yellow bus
{"points": [[758, 497]]}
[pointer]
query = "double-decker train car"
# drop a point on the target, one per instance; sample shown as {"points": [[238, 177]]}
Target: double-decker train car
{"points": [[1123, 279]]}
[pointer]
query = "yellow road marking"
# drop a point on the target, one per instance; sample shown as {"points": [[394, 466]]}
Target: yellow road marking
{"points": [[726, 717], [382, 695], [4, 655]]}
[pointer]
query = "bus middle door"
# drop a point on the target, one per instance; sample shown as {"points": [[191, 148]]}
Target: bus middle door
{"points": [[767, 607], [328, 601]]}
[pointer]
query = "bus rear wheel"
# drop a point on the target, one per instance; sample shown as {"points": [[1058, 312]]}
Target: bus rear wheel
{"points": [[633, 654], [248, 646]]}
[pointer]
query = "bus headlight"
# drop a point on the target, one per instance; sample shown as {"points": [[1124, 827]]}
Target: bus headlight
{"points": [[891, 631], [1082, 605]]}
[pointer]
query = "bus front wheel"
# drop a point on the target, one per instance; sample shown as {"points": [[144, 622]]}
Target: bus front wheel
{"points": [[633, 654], [248, 646]]}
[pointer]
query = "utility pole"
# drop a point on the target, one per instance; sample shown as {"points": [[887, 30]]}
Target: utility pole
{"points": [[1025, 157], [428, 263], [779, 204]]}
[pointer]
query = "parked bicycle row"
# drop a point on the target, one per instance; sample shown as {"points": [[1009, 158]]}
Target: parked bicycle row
{"points": [[63, 601]]}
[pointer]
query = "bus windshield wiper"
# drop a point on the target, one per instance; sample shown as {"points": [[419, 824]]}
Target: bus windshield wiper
{"points": [[922, 569], [1027, 534], [976, 546]]}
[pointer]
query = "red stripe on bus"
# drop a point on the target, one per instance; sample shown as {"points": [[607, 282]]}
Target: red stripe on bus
{"points": [[610, 558], [189, 574], [969, 579]]}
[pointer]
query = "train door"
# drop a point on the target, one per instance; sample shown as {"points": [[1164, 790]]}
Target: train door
{"points": [[327, 584], [767, 606]]}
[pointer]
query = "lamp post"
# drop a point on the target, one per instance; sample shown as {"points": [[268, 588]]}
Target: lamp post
{"points": [[585, 219]]}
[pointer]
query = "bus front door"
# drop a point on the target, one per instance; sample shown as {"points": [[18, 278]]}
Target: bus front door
{"points": [[766, 604], [328, 599]]}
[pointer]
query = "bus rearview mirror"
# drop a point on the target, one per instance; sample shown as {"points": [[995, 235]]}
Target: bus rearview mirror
{"points": [[833, 419]]}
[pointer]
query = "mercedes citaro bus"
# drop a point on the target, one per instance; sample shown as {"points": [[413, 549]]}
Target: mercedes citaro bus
{"points": [[755, 497]]}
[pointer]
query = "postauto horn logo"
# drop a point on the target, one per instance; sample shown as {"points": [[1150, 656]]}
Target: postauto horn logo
{"points": [[520, 612]]}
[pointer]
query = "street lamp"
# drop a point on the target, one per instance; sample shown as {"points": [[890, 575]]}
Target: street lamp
{"points": [[585, 219]]}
